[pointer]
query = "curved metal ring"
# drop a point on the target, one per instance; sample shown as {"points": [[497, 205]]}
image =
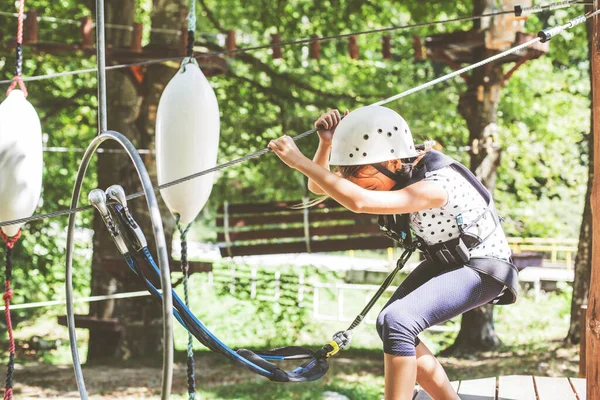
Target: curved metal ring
{"points": [[163, 260]]}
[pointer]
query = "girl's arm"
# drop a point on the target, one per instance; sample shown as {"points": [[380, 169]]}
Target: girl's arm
{"points": [[420, 196], [416, 197], [321, 158], [328, 121]]}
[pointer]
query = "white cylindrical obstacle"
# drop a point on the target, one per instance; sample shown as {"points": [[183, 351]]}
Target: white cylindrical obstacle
{"points": [[187, 140], [21, 160]]}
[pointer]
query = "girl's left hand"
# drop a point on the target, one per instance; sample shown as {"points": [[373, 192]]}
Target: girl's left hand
{"points": [[286, 149]]}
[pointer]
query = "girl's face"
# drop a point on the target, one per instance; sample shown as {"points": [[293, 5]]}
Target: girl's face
{"points": [[369, 178]]}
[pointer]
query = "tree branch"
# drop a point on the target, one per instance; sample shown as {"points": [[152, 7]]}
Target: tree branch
{"points": [[211, 17]]}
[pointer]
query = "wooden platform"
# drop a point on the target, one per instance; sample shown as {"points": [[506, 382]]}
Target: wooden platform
{"points": [[517, 387]]}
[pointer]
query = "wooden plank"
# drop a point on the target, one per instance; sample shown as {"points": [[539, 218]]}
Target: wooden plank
{"points": [[263, 219], [366, 243], [478, 389], [516, 387], [95, 323], [275, 206], [580, 387], [554, 388], [423, 395], [287, 233]]}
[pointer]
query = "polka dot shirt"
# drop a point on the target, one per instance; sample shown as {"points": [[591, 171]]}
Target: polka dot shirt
{"points": [[437, 225]]}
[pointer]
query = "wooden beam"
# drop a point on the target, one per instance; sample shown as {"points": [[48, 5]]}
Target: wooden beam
{"points": [[92, 322], [230, 41], [275, 41], [315, 48], [353, 47], [418, 47], [136, 37], [582, 340], [386, 44], [593, 313], [30, 28]]}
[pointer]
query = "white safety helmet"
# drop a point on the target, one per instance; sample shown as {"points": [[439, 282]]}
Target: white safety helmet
{"points": [[371, 135]]}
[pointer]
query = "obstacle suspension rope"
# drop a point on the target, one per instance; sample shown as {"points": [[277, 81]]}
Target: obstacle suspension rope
{"points": [[183, 231], [517, 11], [10, 242], [191, 29], [19, 54]]}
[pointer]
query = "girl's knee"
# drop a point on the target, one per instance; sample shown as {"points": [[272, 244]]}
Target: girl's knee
{"points": [[398, 332]]}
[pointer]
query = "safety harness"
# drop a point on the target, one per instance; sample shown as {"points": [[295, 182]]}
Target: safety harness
{"points": [[454, 252]]}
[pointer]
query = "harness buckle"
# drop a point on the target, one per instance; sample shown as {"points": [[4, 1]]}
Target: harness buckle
{"points": [[340, 342], [334, 349]]}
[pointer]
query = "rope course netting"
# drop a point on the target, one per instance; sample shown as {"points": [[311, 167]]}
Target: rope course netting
{"points": [[177, 308]]}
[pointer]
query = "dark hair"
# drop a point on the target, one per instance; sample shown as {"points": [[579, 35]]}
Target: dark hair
{"points": [[352, 171]]}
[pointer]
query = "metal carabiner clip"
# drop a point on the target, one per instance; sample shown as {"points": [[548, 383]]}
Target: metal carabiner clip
{"points": [[97, 198], [117, 194]]}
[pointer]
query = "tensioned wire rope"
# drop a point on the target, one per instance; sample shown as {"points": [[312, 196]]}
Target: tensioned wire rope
{"points": [[517, 11], [543, 36]]}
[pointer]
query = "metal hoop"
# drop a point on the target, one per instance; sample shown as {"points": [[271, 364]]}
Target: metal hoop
{"points": [[161, 247]]}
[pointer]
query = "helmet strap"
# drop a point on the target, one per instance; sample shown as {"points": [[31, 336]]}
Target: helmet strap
{"points": [[401, 177]]}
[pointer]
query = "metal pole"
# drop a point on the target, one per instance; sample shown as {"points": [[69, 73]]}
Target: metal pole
{"points": [[101, 59]]}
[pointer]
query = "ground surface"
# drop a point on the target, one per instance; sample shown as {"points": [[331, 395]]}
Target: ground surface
{"points": [[356, 374]]}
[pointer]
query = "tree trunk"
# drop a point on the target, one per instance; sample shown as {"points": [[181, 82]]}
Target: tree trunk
{"points": [[583, 260], [479, 105], [131, 111]]}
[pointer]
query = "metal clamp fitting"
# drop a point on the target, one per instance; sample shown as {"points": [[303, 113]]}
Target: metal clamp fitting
{"points": [[343, 338]]}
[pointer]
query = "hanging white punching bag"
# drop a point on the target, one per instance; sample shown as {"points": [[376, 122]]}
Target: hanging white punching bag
{"points": [[187, 140], [20, 160]]}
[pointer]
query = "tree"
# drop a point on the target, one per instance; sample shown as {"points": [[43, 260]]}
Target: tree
{"points": [[131, 111], [583, 260]]}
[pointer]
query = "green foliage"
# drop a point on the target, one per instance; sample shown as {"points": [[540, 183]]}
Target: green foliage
{"points": [[543, 116]]}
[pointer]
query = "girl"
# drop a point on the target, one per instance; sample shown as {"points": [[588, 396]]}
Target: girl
{"points": [[467, 256]]}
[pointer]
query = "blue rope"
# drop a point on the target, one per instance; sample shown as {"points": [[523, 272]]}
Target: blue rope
{"points": [[185, 269]]}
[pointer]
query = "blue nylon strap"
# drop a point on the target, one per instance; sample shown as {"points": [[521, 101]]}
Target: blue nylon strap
{"points": [[309, 371]]}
